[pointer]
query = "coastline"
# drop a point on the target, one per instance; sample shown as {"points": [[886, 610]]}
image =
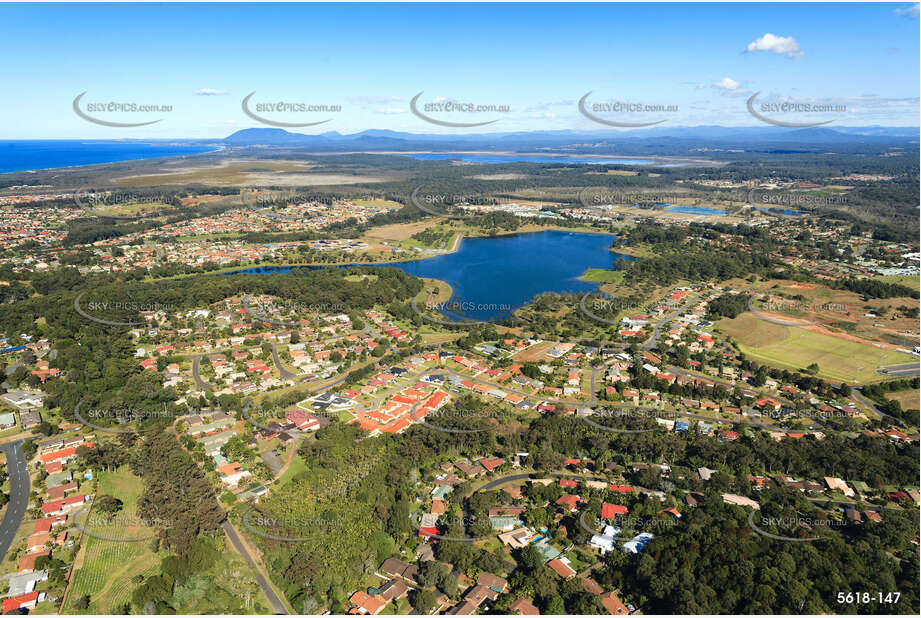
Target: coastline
{"points": [[36, 170]]}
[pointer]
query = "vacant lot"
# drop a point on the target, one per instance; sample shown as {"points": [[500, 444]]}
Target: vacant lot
{"points": [[104, 568], [844, 312], [911, 281], [796, 348], [237, 172], [908, 399]]}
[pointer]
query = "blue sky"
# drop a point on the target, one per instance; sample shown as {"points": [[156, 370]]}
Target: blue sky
{"points": [[706, 60]]}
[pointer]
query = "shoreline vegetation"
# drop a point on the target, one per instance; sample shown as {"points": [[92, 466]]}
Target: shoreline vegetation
{"points": [[458, 238]]}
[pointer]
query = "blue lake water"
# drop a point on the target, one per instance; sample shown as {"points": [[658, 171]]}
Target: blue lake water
{"points": [[22, 155], [518, 158], [696, 210], [493, 276]]}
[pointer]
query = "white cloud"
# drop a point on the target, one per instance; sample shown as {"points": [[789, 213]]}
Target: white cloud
{"points": [[730, 87], [727, 83], [783, 45], [911, 12], [391, 110], [210, 92]]}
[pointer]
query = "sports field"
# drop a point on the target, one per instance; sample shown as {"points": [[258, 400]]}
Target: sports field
{"points": [[796, 348]]}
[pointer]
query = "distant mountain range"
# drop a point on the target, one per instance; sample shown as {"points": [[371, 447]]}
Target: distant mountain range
{"points": [[380, 139]]}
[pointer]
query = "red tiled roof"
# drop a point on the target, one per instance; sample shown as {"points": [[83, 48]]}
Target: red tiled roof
{"points": [[609, 511]]}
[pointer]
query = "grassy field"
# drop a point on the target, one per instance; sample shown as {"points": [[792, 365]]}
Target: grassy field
{"points": [[248, 172], [796, 348], [601, 275], [840, 310], [908, 399], [378, 203], [104, 568], [907, 280], [145, 208], [297, 466]]}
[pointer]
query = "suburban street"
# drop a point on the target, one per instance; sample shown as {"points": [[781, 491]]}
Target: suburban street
{"points": [[196, 375], [657, 329], [19, 494]]}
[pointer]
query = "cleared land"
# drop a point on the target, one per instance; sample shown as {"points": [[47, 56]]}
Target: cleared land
{"points": [[105, 568], [254, 173], [907, 399], [797, 348]]}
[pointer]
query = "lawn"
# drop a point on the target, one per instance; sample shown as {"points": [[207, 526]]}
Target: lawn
{"points": [[297, 466], [105, 568], [796, 348], [601, 275]]}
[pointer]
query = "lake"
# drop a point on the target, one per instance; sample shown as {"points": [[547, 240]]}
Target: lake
{"points": [[23, 155], [696, 210], [493, 276], [525, 158]]}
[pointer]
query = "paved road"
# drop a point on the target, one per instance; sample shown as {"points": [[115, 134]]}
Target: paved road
{"points": [[277, 605], [199, 383], [858, 396], [905, 370], [533, 475], [656, 330], [19, 494], [283, 373]]}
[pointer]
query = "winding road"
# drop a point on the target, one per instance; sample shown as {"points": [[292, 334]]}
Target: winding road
{"points": [[199, 383], [653, 341]]}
